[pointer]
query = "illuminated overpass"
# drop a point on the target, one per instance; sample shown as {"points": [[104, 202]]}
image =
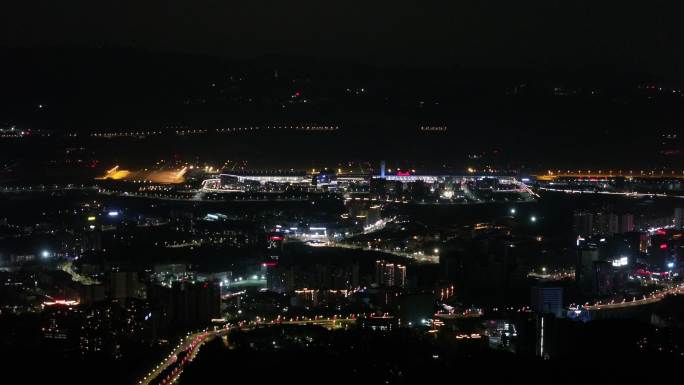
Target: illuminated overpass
{"points": [[613, 309], [171, 367], [597, 175], [169, 370]]}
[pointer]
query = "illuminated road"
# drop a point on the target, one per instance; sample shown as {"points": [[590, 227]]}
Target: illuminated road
{"points": [[417, 256], [551, 176], [171, 367], [628, 194], [644, 300], [525, 188], [43, 188], [554, 276], [329, 323], [198, 195]]}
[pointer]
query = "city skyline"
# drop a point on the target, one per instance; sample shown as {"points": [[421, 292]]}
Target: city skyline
{"points": [[212, 192]]}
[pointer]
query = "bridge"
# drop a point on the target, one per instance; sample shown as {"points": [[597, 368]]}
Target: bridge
{"points": [[171, 367], [624, 308], [418, 256], [330, 323]]}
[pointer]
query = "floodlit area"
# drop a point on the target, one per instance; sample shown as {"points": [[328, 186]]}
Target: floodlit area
{"points": [[149, 176]]}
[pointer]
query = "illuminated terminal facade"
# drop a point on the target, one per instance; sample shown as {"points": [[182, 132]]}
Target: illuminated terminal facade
{"points": [[396, 187]]}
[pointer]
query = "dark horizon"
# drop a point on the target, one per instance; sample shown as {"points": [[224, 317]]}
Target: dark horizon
{"points": [[550, 119], [537, 35]]}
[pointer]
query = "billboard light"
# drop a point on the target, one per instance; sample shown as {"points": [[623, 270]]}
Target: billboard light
{"points": [[623, 261]]}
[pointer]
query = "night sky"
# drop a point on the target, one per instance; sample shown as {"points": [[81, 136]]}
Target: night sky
{"points": [[633, 36]]}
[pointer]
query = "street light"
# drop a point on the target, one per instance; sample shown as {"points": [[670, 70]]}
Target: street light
{"points": [[45, 254], [533, 218], [513, 211]]}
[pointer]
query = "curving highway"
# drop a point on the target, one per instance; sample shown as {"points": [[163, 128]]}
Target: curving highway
{"points": [[656, 296], [171, 367]]}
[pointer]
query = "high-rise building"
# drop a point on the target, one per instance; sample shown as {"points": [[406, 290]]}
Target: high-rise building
{"points": [[626, 223], [644, 242], [678, 218], [189, 304], [547, 300], [125, 284], [89, 294], [606, 223], [586, 223], [613, 224], [390, 274], [583, 223], [585, 274], [400, 276], [279, 279], [384, 273]]}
